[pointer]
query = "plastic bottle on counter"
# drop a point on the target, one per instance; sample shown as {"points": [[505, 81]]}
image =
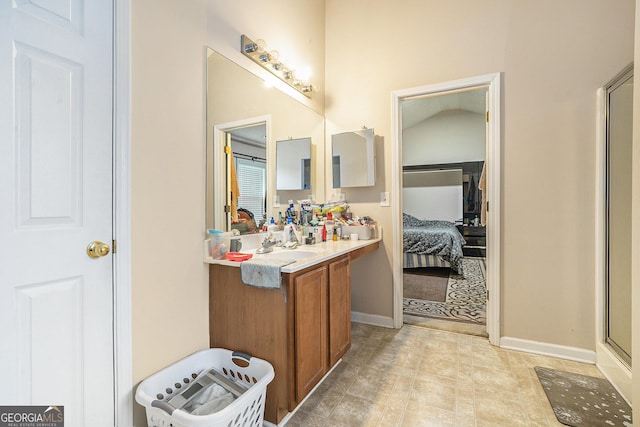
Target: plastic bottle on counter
{"points": [[289, 234], [329, 225], [337, 232], [272, 225]]}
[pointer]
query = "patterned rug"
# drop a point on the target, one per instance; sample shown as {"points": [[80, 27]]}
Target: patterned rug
{"points": [[583, 401], [465, 300]]}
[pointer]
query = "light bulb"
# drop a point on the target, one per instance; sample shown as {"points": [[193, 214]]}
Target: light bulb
{"points": [[288, 74], [304, 74], [255, 47], [261, 45], [265, 57]]}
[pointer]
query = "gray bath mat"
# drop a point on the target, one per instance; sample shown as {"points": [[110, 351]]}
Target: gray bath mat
{"points": [[583, 401]]}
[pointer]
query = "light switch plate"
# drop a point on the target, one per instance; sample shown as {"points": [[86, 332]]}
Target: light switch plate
{"points": [[384, 199]]}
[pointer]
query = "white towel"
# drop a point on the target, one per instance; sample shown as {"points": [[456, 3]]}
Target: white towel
{"points": [[213, 399], [262, 272]]}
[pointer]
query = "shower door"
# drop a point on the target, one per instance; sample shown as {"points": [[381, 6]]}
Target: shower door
{"points": [[619, 124]]}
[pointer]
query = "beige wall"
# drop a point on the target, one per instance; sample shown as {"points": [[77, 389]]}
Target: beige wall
{"points": [[169, 280], [554, 55], [635, 258]]}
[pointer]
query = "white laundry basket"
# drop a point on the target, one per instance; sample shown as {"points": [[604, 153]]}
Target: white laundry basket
{"points": [[246, 410]]}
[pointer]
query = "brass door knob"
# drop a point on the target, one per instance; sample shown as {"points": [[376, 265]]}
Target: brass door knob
{"points": [[97, 249]]}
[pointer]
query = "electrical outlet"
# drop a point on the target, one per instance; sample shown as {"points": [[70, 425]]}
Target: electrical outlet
{"points": [[384, 199]]}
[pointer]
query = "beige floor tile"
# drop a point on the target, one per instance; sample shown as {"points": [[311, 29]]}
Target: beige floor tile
{"points": [[356, 411], [422, 377], [492, 378], [427, 416], [439, 365], [303, 419], [393, 414], [434, 392]]}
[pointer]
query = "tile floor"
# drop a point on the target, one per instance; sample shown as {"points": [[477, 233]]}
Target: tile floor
{"points": [[424, 377]]}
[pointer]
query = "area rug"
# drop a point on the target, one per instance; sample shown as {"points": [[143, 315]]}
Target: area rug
{"points": [[465, 300], [429, 284], [583, 401]]}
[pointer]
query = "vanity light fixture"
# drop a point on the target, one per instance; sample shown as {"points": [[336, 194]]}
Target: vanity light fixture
{"points": [[270, 61]]}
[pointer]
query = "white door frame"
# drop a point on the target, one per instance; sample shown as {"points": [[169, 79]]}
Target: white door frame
{"points": [[220, 170], [123, 359], [493, 81]]}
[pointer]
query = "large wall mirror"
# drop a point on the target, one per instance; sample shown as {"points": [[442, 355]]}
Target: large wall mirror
{"points": [[245, 118], [353, 159]]}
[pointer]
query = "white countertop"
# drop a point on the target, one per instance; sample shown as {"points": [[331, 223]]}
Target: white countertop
{"points": [[305, 255]]}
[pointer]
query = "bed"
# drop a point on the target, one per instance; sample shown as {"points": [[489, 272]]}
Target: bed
{"points": [[431, 243]]}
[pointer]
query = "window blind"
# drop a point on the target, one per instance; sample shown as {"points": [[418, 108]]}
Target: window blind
{"points": [[252, 182]]}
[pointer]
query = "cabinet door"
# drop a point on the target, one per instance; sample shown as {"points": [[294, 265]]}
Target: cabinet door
{"points": [[310, 330], [339, 309]]}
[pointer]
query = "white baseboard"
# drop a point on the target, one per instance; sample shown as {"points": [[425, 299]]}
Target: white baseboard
{"points": [[372, 319], [546, 349]]}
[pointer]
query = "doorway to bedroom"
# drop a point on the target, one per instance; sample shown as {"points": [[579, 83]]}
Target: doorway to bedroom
{"points": [[444, 220], [443, 176]]}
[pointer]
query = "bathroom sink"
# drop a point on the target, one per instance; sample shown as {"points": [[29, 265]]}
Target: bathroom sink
{"points": [[287, 254]]}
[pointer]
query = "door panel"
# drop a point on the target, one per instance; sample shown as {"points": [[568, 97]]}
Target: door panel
{"points": [[339, 309], [310, 330], [49, 125], [56, 303], [619, 215]]}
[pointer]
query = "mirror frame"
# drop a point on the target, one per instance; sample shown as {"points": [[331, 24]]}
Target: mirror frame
{"points": [[221, 171]]}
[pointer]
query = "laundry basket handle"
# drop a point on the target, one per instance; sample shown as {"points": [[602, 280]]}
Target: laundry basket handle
{"points": [[243, 356]]}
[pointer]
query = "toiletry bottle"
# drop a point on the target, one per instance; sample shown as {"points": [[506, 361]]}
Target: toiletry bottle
{"points": [[272, 225], [290, 213], [299, 232], [324, 232], [329, 226], [289, 236]]}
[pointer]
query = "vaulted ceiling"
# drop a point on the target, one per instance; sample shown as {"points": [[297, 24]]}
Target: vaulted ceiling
{"points": [[416, 110]]}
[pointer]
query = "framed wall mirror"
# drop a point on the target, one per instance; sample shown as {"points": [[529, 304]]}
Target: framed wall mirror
{"points": [[293, 164], [353, 159], [238, 99]]}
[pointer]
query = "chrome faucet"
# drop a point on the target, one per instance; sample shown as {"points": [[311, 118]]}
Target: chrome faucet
{"points": [[267, 244]]}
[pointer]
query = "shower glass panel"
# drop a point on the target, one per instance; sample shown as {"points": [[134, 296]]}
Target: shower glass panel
{"points": [[619, 94]]}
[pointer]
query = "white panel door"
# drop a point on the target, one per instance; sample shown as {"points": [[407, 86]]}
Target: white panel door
{"points": [[56, 303]]}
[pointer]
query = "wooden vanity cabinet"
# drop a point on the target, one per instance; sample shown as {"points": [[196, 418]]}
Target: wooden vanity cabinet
{"points": [[302, 329], [339, 309], [311, 299]]}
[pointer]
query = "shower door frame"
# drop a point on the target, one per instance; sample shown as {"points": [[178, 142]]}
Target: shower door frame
{"points": [[609, 363]]}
